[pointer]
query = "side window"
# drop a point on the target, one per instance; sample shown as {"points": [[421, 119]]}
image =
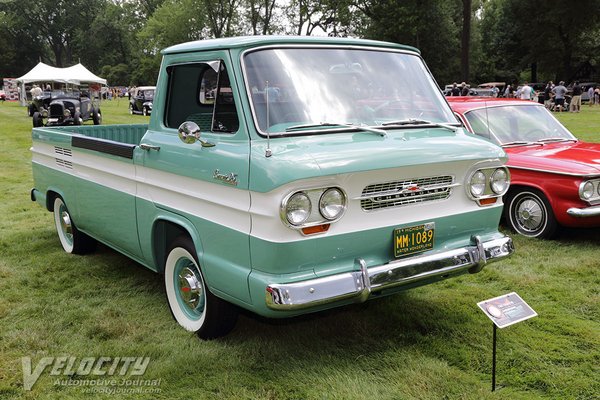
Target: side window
{"points": [[201, 93], [478, 125]]}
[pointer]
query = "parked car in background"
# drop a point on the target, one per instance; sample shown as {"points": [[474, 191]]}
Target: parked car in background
{"points": [[66, 108], [482, 92], [141, 100], [585, 86], [555, 178], [489, 85]]}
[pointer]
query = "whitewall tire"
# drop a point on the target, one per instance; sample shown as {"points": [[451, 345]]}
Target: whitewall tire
{"points": [[192, 305]]}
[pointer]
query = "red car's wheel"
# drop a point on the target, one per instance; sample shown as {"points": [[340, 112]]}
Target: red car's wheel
{"points": [[529, 213]]}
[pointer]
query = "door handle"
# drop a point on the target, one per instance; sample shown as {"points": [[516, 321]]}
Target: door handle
{"points": [[149, 147]]}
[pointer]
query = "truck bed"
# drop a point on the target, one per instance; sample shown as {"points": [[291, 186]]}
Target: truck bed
{"points": [[116, 140], [129, 134]]}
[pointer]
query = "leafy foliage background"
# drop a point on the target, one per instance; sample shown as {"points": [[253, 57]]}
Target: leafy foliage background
{"points": [[507, 40]]}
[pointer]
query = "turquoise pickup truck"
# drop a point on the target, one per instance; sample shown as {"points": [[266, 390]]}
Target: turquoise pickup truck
{"points": [[283, 175]]}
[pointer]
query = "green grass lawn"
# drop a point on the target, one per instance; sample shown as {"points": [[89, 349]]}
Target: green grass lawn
{"points": [[428, 343]]}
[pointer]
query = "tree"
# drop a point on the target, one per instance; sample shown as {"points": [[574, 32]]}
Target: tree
{"points": [[551, 36], [173, 22], [58, 24], [260, 14], [222, 15], [426, 24], [465, 42], [19, 46]]}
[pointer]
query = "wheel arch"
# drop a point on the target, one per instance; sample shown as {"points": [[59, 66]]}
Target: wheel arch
{"points": [[164, 231], [519, 187], [51, 195]]}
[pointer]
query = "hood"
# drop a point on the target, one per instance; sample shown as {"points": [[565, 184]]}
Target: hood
{"points": [[571, 158], [301, 157]]}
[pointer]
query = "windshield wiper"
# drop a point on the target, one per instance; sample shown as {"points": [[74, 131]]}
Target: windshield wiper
{"points": [[519, 143], [556, 139], [365, 128], [414, 121]]}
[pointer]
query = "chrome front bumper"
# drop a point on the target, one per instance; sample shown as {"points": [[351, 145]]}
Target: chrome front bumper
{"points": [[359, 284], [584, 212]]}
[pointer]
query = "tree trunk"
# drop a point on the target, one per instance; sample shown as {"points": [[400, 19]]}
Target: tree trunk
{"points": [[465, 41], [534, 72]]}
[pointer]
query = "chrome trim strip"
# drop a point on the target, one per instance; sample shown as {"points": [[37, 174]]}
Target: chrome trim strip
{"points": [[359, 284], [584, 212], [553, 172]]}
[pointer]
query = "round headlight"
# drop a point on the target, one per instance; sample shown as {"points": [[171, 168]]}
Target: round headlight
{"points": [[499, 181], [297, 209], [477, 184], [67, 112], [587, 190], [332, 203]]}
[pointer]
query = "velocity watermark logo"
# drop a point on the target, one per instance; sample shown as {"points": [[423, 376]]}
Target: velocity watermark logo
{"points": [[96, 374]]}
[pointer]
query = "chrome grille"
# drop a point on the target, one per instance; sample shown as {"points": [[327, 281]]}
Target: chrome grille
{"points": [[408, 191], [56, 110]]}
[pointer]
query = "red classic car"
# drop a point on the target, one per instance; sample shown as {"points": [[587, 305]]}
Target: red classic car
{"points": [[555, 178]]}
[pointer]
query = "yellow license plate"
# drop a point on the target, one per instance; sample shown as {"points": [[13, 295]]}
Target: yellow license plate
{"points": [[413, 239]]}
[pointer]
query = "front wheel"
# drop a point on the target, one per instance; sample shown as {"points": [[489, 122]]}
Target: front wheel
{"points": [[37, 120], [97, 116], [194, 307], [72, 240], [529, 213], [77, 120], [145, 112]]}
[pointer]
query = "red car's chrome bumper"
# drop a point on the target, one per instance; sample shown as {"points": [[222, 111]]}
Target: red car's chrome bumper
{"points": [[584, 212]]}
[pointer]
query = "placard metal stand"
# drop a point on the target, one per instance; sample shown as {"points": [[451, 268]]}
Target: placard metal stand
{"points": [[504, 311], [494, 360]]}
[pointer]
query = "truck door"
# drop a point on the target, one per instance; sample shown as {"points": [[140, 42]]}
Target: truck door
{"points": [[204, 183]]}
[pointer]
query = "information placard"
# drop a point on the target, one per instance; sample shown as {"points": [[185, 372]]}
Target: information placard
{"points": [[507, 309]]}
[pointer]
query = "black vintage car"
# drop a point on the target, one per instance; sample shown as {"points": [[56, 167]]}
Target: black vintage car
{"points": [[141, 100], [68, 108]]}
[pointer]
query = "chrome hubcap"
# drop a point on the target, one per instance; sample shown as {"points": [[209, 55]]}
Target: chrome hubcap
{"points": [[65, 223], [530, 215], [190, 288]]}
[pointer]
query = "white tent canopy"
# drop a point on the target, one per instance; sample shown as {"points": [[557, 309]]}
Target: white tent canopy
{"points": [[74, 75]]}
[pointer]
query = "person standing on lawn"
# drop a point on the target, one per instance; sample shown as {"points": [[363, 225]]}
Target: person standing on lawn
{"points": [[559, 96], [576, 99], [526, 92]]}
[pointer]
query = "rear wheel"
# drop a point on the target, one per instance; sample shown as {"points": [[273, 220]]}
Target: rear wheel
{"points": [[72, 240], [194, 307], [529, 213]]}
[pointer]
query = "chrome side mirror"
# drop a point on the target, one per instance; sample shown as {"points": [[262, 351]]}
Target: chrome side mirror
{"points": [[189, 133]]}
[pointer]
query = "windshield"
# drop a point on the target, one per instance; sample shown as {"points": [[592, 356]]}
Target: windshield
{"points": [[517, 124], [324, 87]]}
